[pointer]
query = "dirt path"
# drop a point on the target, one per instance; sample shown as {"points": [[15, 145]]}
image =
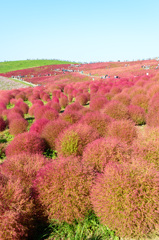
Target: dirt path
{"points": [[8, 84]]}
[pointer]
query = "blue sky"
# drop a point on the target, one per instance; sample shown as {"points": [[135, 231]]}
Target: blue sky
{"points": [[85, 31]]}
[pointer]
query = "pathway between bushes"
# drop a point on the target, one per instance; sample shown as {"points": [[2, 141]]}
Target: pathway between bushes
{"points": [[8, 84]]}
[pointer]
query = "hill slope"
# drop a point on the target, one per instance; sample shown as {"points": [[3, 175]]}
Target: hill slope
{"points": [[24, 64]]}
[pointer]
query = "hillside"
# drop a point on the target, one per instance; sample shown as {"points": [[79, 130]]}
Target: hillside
{"points": [[9, 66]]}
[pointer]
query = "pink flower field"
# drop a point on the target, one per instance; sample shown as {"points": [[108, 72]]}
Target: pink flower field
{"points": [[84, 140]]}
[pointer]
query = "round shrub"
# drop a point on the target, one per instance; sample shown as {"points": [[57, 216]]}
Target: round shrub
{"points": [[16, 110], [63, 189], [98, 121], [24, 167], [124, 130], [63, 101], [13, 116], [23, 106], [18, 125], [116, 110], [125, 198], [71, 116], [140, 100], [51, 114], [2, 124], [74, 107], [137, 114], [54, 105], [51, 131], [74, 139], [103, 150], [98, 103], [123, 98], [26, 142], [146, 145], [38, 125], [16, 210], [82, 99], [33, 108]]}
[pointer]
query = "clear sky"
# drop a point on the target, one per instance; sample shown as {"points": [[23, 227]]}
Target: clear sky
{"points": [[85, 31]]}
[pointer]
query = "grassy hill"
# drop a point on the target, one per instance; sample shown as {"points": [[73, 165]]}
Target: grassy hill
{"points": [[9, 66]]}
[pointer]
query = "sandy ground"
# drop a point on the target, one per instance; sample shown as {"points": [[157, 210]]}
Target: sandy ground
{"points": [[7, 84]]}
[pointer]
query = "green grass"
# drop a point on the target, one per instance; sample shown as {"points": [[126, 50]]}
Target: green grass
{"points": [[9, 66], [88, 229]]}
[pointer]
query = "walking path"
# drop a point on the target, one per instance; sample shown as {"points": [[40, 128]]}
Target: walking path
{"points": [[8, 84]]}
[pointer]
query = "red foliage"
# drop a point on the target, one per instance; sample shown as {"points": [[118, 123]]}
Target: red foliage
{"points": [[123, 98], [16, 210], [50, 114], [137, 114], [63, 101], [124, 130], [38, 125], [116, 110], [51, 130], [103, 150], [63, 188], [26, 142], [98, 121], [71, 116], [97, 103], [141, 100], [82, 99], [23, 106], [18, 125], [125, 198], [74, 107]]}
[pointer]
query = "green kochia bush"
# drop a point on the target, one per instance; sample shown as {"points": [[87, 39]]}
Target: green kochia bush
{"points": [[125, 198], [62, 188], [74, 139]]}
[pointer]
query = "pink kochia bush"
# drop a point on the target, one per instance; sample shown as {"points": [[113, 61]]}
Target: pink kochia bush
{"points": [[50, 114], [125, 198], [74, 139], [103, 150], [116, 110], [24, 167], [38, 125], [63, 188], [51, 131], [98, 121], [124, 130], [71, 116], [82, 99], [26, 142], [98, 103], [18, 125], [16, 210], [137, 114]]}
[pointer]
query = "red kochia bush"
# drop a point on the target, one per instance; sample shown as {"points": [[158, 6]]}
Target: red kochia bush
{"points": [[51, 131], [124, 130], [16, 210], [140, 100], [74, 107], [63, 188], [38, 125], [71, 116], [125, 198], [82, 99], [18, 125], [116, 110], [26, 142], [97, 103], [24, 167], [2, 124], [50, 114], [23, 106], [137, 114], [74, 139], [98, 121], [63, 101], [103, 150], [123, 98]]}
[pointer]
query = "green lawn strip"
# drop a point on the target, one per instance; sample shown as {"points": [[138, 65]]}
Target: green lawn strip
{"points": [[9, 66], [89, 228]]}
